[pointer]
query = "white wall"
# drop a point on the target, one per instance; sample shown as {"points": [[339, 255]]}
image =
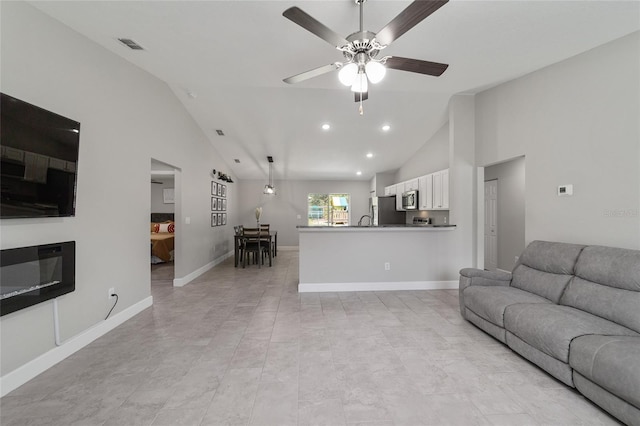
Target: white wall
{"points": [[431, 157], [281, 211], [462, 179], [127, 117], [511, 200], [577, 123]]}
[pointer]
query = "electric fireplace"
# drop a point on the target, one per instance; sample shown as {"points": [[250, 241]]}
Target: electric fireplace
{"points": [[32, 275]]}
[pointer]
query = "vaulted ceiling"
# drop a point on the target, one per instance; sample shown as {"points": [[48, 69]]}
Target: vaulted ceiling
{"points": [[225, 60]]}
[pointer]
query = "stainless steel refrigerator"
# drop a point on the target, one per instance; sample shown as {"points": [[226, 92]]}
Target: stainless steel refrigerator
{"points": [[383, 211]]}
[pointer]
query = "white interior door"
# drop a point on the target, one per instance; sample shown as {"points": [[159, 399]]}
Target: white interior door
{"points": [[491, 225]]}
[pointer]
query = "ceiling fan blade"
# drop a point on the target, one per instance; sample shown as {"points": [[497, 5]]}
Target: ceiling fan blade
{"points": [[312, 73], [407, 19], [365, 96], [415, 65], [309, 23]]}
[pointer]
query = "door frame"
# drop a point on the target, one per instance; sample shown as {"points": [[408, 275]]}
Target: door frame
{"points": [[176, 172], [484, 192]]}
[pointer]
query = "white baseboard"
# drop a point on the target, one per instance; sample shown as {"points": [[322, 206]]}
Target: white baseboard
{"points": [[179, 282], [376, 286], [31, 369], [288, 248]]}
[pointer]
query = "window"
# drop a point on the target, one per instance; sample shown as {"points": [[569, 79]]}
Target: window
{"points": [[328, 210]]}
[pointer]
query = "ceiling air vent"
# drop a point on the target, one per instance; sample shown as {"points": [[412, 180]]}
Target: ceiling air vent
{"points": [[220, 132], [130, 44]]}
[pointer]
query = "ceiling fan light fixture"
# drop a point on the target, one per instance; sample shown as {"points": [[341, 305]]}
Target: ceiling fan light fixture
{"points": [[375, 71], [348, 74], [360, 83]]}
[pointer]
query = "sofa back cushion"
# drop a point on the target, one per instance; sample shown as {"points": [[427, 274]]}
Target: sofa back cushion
{"points": [[545, 268], [610, 266], [607, 284]]}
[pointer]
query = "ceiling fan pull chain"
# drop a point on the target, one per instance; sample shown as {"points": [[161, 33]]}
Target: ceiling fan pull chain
{"points": [[360, 109]]}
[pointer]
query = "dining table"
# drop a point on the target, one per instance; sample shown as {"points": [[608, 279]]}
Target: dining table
{"points": [[271, 237]]}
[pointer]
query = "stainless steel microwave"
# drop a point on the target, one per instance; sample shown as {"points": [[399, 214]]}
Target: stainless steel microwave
{"points": [[410, 200]]}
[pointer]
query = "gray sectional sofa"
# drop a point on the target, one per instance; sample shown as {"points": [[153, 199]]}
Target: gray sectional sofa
{"points": [[574, 311]]}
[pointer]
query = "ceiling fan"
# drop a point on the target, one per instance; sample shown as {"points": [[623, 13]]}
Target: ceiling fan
{"points": [[361, 48]]}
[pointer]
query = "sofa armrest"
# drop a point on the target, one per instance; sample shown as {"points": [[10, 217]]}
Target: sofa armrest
{"points": [[486, 277], [473, 276]]}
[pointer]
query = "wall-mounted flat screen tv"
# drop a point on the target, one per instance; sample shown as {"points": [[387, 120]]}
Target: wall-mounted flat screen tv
{"points": [[39, 166]]}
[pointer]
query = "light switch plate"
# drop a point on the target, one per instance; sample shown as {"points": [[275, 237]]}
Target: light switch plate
{"points": [[565, 190]]}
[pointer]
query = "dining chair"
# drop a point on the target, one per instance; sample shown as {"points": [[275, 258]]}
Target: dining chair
{"points": [[265, 227], [238, 230], [254, 245]]}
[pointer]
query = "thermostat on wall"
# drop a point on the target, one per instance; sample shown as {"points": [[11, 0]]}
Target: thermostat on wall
{"points": [[565, 190]]}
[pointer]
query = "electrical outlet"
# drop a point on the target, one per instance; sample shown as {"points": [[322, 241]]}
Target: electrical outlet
{"points": [[387, 266], [112, 290]]}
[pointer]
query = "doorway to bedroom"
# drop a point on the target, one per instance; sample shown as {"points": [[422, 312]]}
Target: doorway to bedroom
{"points": [[163, 217]]}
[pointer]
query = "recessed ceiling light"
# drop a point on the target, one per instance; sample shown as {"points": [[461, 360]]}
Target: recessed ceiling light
{"points": [[386, 127], [369, 155], [326, 126], [358, 172]]}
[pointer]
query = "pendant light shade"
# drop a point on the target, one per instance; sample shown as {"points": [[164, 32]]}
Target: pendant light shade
{"points": [[375, 71], [348, 74], [269, 189], [360, 83]]}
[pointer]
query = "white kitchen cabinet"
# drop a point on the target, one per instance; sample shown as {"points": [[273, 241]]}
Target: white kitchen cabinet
{"points": [[441, 190], [390, 190], [411, 185], [425, 192], [445, 189]]}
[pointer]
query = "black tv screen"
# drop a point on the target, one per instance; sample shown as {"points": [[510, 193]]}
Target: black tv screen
{"points": [[39, 165]]}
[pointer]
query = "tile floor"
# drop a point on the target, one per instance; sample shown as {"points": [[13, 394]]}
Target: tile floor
{"points": [[242, 347]]}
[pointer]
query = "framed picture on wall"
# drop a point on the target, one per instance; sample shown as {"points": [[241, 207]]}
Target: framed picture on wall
{"points": [[214, 204], [219, 189], [224, 205], [214, 188], [214, 219], [168, 195], [219, 218], [224, 191], [224, 218]]}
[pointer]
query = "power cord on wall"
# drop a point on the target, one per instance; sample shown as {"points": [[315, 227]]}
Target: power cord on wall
{"points": [[114, 305]]}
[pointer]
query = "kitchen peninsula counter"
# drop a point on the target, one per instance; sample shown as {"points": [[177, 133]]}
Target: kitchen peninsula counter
{"points": [[397, 227], [374, 258]]}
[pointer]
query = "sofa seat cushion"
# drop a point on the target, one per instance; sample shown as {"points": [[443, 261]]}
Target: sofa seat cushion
{"points": [[550, 328], [489, 303], [612, 362]]}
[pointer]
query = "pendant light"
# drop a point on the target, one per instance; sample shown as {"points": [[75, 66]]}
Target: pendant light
{"points": [[269, 189]]}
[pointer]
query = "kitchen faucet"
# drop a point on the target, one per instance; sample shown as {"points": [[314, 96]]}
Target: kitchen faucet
{"points": [[363, 216]]}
